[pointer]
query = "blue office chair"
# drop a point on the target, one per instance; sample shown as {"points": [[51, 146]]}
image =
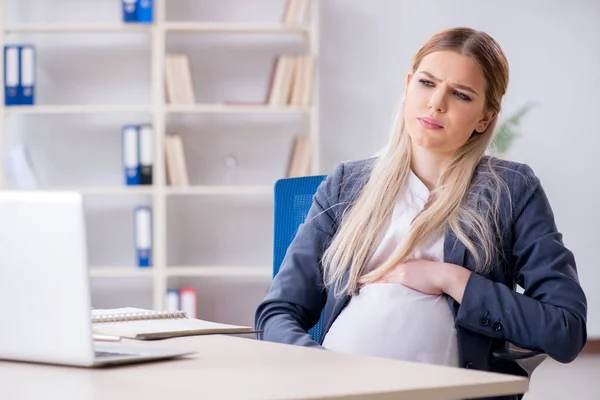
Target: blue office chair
{"points": [[293, 198]]}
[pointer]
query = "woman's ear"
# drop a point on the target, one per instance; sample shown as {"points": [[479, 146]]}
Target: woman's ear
{"points": [[485, 120], [408, 79]]}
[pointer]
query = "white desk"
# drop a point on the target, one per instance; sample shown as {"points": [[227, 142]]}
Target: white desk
{"points": [[227, 367]]}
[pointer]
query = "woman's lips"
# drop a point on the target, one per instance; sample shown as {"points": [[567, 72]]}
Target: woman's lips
{"points": [[430, 123]]}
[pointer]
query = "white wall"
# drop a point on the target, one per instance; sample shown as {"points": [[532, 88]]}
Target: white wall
{"points": [[554, 55]]}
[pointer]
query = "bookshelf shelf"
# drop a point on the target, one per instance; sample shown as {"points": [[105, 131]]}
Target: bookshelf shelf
{"points": [[234, 28], [234, 109], [116, 272], [293, 98], [73, 28], [222, 270], [104, 190], [76, 109], [221, 190]]}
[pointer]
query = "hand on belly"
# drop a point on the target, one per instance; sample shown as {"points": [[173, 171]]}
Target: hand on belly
{"points": [[422, 275]]}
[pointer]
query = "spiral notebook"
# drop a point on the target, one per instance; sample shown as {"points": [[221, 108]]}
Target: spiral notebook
{"points": [[137, 323]]}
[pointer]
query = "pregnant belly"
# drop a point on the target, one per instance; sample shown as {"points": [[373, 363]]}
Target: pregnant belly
{"points": [[394, 321]]}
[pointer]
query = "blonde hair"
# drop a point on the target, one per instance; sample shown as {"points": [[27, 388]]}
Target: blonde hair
{"points": [[475, 225]]}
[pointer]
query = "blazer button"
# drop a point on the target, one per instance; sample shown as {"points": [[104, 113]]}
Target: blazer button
{"points": [[484, 321], [497, 326]]}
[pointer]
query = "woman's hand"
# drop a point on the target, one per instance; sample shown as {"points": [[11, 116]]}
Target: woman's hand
{"points": [[430, 277]]}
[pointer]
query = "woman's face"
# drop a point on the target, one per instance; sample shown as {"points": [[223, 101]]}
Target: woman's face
{"points": [[445, 102]]}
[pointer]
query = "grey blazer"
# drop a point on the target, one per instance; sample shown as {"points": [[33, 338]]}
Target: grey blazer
{"points": [[549, 317]]}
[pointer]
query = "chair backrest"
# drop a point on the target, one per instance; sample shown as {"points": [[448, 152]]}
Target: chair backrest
{"points": [[293, 199]]}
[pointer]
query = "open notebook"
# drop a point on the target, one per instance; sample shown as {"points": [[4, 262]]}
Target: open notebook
{"points": [[137, 323]]}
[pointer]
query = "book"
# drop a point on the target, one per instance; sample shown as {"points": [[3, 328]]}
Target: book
{"points": [[299, 161], [295, 12], [178, 79], [137, 323], [175, 161]]}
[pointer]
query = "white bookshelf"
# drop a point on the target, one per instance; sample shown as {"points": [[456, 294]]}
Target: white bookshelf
{"points": [[159, 110]]}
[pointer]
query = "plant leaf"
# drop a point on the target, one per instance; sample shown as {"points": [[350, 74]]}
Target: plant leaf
{"points": [[506, 132]]}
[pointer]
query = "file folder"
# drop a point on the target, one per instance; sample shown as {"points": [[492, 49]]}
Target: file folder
{"points": [[172, 300], [11, 75], [130, 154], [145, 11], [189, 301], [130, 8], [143, 235], [146, 154], [27, 64]]}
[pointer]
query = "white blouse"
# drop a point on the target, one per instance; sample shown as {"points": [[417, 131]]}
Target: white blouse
{"points": [[391, 320]]}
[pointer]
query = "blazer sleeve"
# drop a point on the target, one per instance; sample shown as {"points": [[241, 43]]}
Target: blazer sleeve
{"points": [[297, 294], [550, 316]]}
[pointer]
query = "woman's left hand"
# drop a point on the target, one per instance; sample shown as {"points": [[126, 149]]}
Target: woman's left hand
{"points": [[430, 277]]}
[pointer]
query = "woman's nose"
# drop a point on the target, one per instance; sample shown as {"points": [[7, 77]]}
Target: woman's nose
{"points": [[436, 102]]}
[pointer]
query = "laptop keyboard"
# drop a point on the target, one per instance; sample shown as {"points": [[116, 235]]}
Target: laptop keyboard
{"points": [[100, 354]]}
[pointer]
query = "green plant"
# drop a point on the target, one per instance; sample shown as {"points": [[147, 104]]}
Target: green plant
{"points": [[507, 130]]}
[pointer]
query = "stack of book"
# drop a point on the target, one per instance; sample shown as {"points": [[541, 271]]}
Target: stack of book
{"points": [[292, 80], [295, 12]]}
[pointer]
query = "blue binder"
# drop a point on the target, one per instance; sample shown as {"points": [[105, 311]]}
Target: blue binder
{"points": [[130, 9], [27, 74], [142, 224], [145, 11], [12, 75], [130, 138]]}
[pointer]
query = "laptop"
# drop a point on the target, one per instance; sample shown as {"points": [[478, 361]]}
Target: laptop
{"points": [[45, 309]]}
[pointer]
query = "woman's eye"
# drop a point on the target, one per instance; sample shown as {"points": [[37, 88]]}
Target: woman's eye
{"points": [[462, 96], [426, 82]]}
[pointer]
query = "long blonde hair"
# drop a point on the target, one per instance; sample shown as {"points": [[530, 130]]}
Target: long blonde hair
{"points": [[476, 226]]}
